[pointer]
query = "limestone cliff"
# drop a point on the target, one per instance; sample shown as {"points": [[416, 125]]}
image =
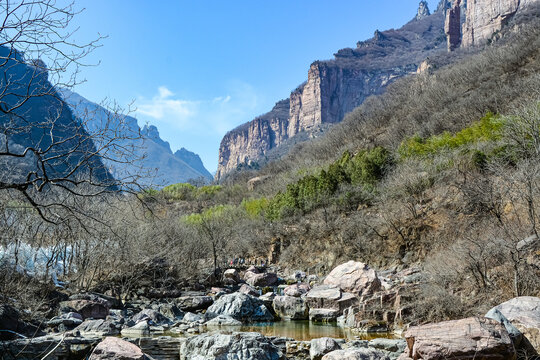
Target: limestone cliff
{"points": [[248, 142], [484, 18], [335, 87]]}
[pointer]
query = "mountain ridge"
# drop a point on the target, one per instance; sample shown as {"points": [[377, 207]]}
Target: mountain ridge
{"points": [[151, 155]]}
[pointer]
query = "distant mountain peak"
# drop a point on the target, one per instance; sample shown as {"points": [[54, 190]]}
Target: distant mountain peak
{"points": [[152, 157], [423, 10]]}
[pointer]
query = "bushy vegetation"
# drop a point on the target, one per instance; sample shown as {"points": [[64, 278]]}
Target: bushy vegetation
{"points": [[362, 170], [487, 129]]}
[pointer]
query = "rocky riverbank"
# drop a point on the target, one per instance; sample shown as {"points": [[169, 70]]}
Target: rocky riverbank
{"points": [[200, 324]]}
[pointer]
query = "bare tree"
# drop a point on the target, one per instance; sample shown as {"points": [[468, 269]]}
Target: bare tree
{"points": [[44, 148]]}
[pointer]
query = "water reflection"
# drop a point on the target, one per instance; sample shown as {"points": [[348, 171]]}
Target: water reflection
{"points": [[300, 330]]}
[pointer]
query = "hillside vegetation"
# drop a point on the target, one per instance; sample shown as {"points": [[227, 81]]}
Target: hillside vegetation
{"points": [[441, 172]]}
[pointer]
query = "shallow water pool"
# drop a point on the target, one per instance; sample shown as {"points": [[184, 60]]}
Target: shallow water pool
{"points": [[301, 330]]}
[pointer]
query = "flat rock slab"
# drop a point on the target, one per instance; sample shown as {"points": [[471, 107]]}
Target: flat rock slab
{"points": [[329, 297], [470, 338]]}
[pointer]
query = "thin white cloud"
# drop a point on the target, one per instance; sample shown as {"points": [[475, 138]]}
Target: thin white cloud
{"points": [[198, 125], [163, 107], [219, 114]]}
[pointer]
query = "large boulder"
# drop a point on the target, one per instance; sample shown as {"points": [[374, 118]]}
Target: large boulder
{"points": [[241, 307], [263, 279], [329, 297], [524, 314], [321, 346], [237, 346], [356, 354], [170, 311], [291, 308], [354, 277], [470, 338], [152, 316], [88, 305], [112, 348], [194, 302]]}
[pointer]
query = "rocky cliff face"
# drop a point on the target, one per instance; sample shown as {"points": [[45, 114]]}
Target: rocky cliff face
{"points": [[335, 87], [248, 142], [484, 18]]}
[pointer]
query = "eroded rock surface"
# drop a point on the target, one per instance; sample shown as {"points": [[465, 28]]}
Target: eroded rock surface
{"points": [[470, 338]]}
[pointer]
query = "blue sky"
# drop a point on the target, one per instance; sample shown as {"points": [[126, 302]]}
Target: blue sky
{"points": [[198, 68]]}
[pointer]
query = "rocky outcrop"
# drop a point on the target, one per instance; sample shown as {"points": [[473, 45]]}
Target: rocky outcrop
{"points": [[423, 10], [469, 338], [452, 26], [244, 145], [485, 18], [334, 88]]}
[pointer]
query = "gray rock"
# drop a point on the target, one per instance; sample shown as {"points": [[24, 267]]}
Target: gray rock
{"points": [[394, 347], [89, 306], [194, 303], [98, 327], [241, 307], [236, 346], [321, 346], [154, 317], [223, 320], [231, 277], [70, 320], [291, 308], [191, 318], [170, 311], [495, 314], [140, 329], [323, 315], [356, 354]]}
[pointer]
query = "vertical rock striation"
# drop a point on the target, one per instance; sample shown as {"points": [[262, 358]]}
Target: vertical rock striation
{"points": [[484, 18], [452, 26]]}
